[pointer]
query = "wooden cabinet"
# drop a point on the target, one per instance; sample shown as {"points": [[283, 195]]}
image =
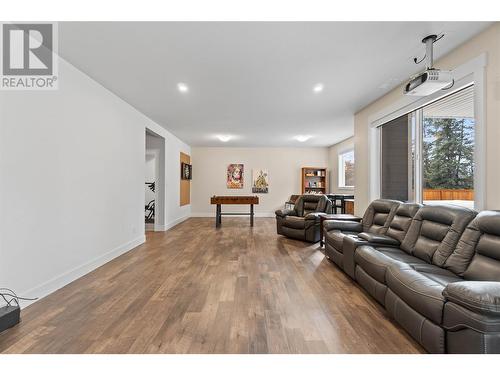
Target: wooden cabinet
{"points": [[314, 180], [349, 206]]}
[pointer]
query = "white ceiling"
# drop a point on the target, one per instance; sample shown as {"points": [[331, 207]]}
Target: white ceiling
{"points": [[253, 80]]}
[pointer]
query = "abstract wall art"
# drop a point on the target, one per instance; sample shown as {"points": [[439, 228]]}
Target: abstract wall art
{"points": [[235, 176], [260, 181]]}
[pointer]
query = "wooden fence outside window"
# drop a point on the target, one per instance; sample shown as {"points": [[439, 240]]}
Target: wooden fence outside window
{"points": [[448, 194]]}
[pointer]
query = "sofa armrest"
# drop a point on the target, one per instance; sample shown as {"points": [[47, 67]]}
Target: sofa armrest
{"points": [[379, 239], [342, 225], [285, 212], [349, 246], [479, 296], [313, 216]]}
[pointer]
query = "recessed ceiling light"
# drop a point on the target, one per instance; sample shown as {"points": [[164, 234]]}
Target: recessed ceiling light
{"points": [[302, 138], [224, 138], [182, 87], [318, 87]]}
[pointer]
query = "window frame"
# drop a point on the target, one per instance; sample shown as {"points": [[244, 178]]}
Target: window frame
{"points": [[341, 168]]}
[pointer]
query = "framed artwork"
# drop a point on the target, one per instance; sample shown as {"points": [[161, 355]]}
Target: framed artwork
{"points": [[260, 181], [186, 171], [235, 176]]}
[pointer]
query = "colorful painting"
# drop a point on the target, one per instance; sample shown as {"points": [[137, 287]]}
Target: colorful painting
{"points": [[260, 181], [235, 176]]}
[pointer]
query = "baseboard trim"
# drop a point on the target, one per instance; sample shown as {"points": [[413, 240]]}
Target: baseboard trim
{"points": [[64, 279], [173, 223], [212, 214], [159, 228]]}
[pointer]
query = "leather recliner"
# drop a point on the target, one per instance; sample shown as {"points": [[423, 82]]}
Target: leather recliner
{"points": [[376, 220], [302, 222], [393, 237]]}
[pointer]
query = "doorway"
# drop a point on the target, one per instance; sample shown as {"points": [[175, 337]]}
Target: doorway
{"points": [[150, 190], [154, 182]]}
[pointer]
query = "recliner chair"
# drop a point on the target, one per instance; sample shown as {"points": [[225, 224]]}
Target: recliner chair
{"points": [[393, 236], [376, 219], [302, 222]]}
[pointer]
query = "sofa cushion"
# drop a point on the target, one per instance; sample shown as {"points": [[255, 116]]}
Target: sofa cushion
{"points": [[375, 261], [398, 255], [438, 274], [295, 222], [342, 225], [479, 296], [378, 215], [335, 238], [299, 234], [310, 207], [479, 249], [308, 203], [380, 239], [422, 291], [285, 212], [435, 232], [402, 219]]}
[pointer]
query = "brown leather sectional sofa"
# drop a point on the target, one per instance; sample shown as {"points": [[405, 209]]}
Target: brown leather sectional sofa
{"points": [[436, 269]]}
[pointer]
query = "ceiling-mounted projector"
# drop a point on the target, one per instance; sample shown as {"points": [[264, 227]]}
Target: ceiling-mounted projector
{"points": [[430, 80]]}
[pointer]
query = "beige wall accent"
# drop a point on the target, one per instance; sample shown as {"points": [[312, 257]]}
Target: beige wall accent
{"points": [[487, 42], [333, 157], [283, 164]]}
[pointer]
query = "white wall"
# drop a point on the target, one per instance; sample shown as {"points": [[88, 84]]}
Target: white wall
{"points": [[333, 157], [72, 181], [283, 164]]}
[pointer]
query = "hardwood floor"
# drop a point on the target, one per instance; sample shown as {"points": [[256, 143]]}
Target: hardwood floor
{"points": [[195, 289]]}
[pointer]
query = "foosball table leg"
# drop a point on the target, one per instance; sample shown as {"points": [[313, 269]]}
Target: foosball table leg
{"points": [[218, 216], [251, 215]]}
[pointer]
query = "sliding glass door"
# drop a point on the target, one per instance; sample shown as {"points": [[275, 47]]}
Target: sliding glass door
{"points": [[428, 155], [448, 150]]}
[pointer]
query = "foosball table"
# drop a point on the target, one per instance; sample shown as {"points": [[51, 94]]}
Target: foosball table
{"points": [[233, 199]]}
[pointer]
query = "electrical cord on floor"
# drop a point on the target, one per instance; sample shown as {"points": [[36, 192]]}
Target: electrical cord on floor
{"points": [[13, 297]]}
